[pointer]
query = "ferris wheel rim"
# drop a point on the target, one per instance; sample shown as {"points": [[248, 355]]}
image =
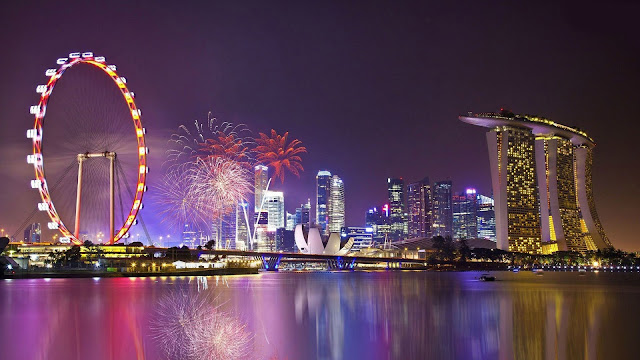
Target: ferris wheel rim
{"points": [[37, 157]]}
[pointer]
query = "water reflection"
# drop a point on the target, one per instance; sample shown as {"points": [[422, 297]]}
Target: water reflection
{"points": [[352, 315], [190, 324]]}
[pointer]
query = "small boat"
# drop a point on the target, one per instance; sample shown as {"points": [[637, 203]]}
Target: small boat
{"points": [[538, 271], [582, 271], [487, 277], [515, 270]]}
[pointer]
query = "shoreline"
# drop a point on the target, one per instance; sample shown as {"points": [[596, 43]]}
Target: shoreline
{"points": [[79, 274]]}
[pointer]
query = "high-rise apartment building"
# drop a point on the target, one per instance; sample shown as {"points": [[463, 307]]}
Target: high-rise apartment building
{"points": [[419, 209], [336, 205], [442, 209], [541, 177], [397, 218], [465, 210], [323, 193]]}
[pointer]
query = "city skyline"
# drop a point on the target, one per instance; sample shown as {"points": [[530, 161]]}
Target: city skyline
{"points": [[279, 90]]}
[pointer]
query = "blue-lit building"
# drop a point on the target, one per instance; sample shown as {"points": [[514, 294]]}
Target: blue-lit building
{"points": [[323, 193], [486, 218], [32, 233]]}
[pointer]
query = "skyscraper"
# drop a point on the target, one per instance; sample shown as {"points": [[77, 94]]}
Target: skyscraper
{"points": [[419, 209], [261, 181], [290, 221], [303, 214], [336, 205], [261, 178], [378, 221], [323, 192], [397, 218], [486, 218], [242, 226], [541, 176], [442, 209], [32, 233], [274, 205], [465, 210]]}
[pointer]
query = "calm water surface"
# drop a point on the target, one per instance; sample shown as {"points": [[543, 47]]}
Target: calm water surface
{"points": [[351, 315]]}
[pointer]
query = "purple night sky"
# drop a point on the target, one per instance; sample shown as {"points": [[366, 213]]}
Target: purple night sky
{"points": [[372, 89]]}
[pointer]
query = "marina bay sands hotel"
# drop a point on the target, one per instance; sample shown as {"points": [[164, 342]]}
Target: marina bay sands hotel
{"points": [[541, 174]]}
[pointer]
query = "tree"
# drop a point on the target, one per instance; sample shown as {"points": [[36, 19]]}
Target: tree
{"points": [[210, 245], [464, 250]]}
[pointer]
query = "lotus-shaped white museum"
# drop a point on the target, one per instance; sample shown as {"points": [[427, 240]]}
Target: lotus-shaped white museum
{"points": [[309, 241]]}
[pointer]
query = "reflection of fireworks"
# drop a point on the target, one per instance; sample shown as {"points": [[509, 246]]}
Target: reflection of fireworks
{"points": [[211, 139], [190, 326]]}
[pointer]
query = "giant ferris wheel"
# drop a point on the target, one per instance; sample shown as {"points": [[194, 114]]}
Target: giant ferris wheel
{"points": [[98, 141]]}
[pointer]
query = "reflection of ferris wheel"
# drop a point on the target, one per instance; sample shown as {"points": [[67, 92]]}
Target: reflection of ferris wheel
{"points": [[95, 145]]}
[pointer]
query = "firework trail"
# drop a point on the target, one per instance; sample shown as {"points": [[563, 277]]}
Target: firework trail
{"points": [[189, 325], [177, 203], [274, 151], [219, 184], [210, 139]]}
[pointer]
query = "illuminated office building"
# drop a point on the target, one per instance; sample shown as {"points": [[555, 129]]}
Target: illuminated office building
{"points": [[486, 218], [260, 218], [419, 209], [442, 209], [541, 176], [303, 214], [465, 209], [397, 215], [32, 234], [261, 180], [336, 205], [378, 221], [323, 192], [274, 205], [242, 226]]}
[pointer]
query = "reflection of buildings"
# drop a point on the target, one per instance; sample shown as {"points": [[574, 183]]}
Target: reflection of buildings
{"points": [[323, 192], [419, 209], [541, 173], [464, 210], [397, 217], [442, 210]]}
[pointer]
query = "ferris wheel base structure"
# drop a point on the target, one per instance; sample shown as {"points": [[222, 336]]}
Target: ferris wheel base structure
{"points": [[37, 156]]}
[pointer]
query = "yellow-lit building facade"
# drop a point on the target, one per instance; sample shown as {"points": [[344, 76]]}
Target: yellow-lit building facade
{"points": [[541, 178]]}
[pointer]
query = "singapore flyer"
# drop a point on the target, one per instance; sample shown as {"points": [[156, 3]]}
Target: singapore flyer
{"points": [[89, 137]]}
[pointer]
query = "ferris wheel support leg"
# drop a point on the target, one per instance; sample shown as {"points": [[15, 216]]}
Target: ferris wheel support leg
{"points": [[111, 198], [78, 197]]}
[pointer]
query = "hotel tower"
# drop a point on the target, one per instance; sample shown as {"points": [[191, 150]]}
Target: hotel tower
{"points": [[541, 177]]}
